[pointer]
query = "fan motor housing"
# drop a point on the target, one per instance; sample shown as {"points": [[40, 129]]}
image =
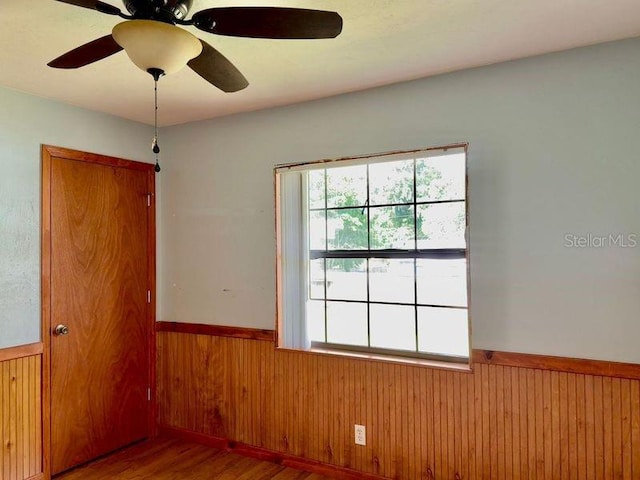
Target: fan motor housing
{"points": [[162, 10]]}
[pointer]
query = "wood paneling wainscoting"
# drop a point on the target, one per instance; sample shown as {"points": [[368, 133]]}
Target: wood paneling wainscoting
{"points": [[514, 416], [20, 413]]}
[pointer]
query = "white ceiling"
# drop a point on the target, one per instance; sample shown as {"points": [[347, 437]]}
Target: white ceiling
{"points": [[383, 42]]}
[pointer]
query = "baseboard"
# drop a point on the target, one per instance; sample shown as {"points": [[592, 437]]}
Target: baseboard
{"points": [[312, 466], [39, 476], [195, 437]]}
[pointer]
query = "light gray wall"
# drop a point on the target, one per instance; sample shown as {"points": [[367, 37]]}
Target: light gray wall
{"points": [[26, 122], [553, 151]]}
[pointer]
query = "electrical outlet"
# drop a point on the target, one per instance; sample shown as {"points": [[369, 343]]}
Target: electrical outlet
{"points": [[361, 435]]}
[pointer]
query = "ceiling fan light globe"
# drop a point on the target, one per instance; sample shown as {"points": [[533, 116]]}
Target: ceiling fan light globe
{"points": [[156, 45]]}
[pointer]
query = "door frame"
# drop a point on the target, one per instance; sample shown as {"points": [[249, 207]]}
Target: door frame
{"points": [[48, 153]]}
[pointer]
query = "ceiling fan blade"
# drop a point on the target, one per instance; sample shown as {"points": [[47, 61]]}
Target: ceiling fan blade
{"points": [[217, 70], [269, 22], [87, 53], [94, 5]]}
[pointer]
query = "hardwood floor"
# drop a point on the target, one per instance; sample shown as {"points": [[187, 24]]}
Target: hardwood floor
{"points": [[170, 459]]}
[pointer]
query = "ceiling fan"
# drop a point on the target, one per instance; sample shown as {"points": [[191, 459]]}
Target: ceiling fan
{"points": [[154, 42]]}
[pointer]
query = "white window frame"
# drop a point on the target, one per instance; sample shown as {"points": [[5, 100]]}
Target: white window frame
{"points": [[292, 261]]}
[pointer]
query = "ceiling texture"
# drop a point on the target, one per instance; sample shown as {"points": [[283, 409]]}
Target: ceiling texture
{"points": [[382, 42]]}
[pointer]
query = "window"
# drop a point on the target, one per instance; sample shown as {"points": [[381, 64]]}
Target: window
{"points": [[372, 255]]}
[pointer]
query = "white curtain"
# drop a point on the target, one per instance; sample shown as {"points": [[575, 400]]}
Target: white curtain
{"points": [[294, 258]]}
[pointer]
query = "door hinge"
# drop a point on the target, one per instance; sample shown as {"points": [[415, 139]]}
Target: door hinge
{"points": [[149, 394], [148, 296], [149, 199]]}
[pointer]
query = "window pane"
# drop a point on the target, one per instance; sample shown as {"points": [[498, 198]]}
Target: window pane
{"points": [[316, 189], [442, 282], [391, 182], [316, 278], [315, 320], [441, 225], [347, 323], [347, 186], [344, 210], [393, 327], [441, 178], [392, 227], [317, 231], [443, 331], [391, 280], [347, 229], [347, 278]]}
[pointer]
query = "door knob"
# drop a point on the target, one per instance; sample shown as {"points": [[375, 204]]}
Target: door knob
{"points": [[61, 330]]}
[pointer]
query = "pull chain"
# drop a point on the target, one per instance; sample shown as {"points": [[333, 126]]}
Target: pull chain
{"points": [[156, 73], [154, 144]]}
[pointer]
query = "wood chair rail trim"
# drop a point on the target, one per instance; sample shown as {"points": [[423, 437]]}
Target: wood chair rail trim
{"points": [[559, 364], [491, 357], [216, 330], [21, 351]]}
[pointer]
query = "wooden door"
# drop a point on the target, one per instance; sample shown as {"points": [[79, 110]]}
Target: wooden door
{"points": [[100, 286]]}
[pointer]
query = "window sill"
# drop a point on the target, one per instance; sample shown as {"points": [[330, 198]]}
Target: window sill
{"points": [[415, 362]]}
